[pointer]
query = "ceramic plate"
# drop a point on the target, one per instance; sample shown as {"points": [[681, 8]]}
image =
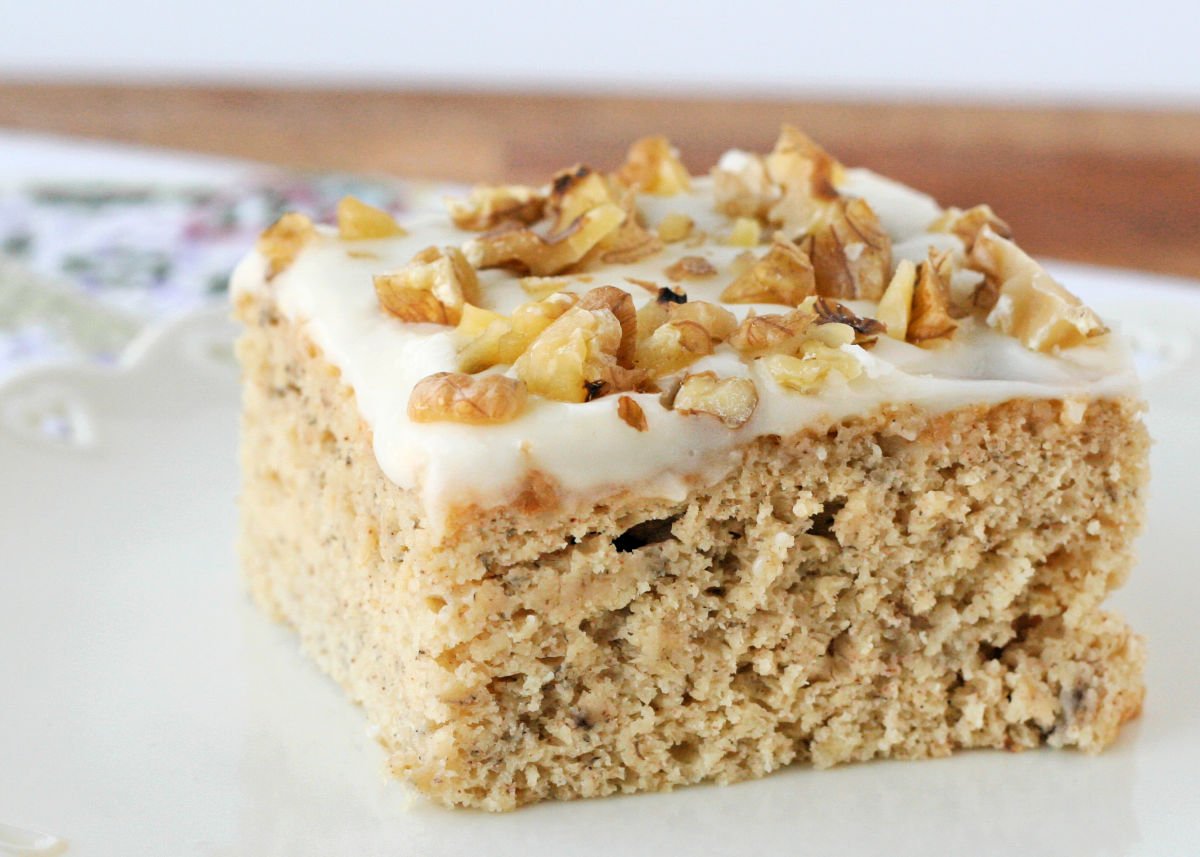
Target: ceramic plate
{"points": [[147, 709]]}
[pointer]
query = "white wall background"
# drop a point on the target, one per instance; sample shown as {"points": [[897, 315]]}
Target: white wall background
{"points": [[1141, 52]]}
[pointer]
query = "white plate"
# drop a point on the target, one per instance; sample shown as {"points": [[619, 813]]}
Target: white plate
{"points": [[147, 709]]}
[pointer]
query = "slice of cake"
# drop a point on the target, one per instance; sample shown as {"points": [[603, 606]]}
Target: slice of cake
{"points": [[642, 479]]}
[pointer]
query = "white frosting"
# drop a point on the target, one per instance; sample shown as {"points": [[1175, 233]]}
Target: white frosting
{"points": [[585, 447]]}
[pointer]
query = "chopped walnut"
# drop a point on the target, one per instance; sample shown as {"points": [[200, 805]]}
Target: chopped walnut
{"points": [[540, 287], [895, 306], [673, 345], [653, 166], [784, 275], [730, 400], [631, 413], [530, 319], [358, 221], [806, 175], [967, 224], [851, 253], [717, 321], [746, 232], [432, 288], [809, 371], [471, 399], [620, 304], [763, 334], [631, 241], [545, 256], [489, 206], [573, 192], [691, 268], [488, 340], [675, 227], [282, 242], [865, 330], [575, 358], [741, 186], [1031, 306], [930, 316]]}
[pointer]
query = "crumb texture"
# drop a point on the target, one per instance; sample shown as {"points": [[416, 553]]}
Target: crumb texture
{"points": [[893, 585]]}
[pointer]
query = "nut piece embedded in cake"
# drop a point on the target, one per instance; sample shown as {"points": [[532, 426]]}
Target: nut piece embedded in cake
{"points": [[472, 399]]}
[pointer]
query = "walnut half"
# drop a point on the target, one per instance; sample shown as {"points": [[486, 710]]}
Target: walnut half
{"points": [[472, 399]]}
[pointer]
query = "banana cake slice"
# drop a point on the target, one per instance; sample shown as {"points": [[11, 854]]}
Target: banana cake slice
{"points": [[640, 479]]}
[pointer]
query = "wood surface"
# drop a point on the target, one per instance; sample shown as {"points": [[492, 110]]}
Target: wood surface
{"points": [[1112, 187]]}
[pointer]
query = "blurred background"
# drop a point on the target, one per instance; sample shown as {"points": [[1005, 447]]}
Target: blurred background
{"points": [[143, 145]]}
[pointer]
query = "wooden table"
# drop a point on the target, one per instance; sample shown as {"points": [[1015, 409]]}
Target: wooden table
{"points": [[1115, 187]]}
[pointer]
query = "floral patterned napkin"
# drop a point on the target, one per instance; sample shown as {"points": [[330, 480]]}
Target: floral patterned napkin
{"points": [[84, 267]]}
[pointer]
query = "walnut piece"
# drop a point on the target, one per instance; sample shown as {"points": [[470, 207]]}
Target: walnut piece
{"points": [[471, 399], [810, 370], [433, 287], [806, 175], [282, 242], [930, 315], [575, 191], [540, 287], [968, 224], [631, 413], [895, 306], [772, 333], [1031, 306], [675, 227], [672, 346], [717, 321], [543, 256], [730, 400], [784, 275], [653, 166], [575, 358], [490, 339], [620, 304], [741, 186], [746, 232], [851, 253], [690, 268], [358, 221], [490, 205], [631, 241], [829, 313]]}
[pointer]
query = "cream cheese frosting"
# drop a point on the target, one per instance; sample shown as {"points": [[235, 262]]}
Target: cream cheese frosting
{"points": [[585, 448]]}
